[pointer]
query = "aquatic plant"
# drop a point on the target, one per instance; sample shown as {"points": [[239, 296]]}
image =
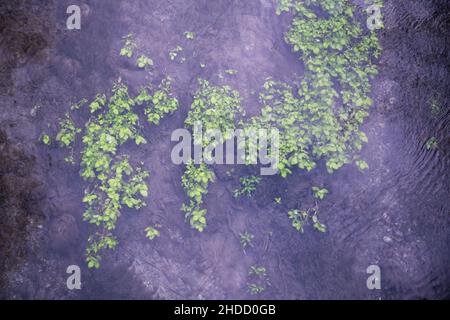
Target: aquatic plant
{"points": [[246, 239], [195, 181], [129, 45], [113, 181], [320, 118], [151, 233], [144, 61], [161, 103], [248, 186], [255, 289], [304, 217], [319, 193], [216, 108], [189, 35], [432, 143], [173, 54], [260, 279], [45, 138]]}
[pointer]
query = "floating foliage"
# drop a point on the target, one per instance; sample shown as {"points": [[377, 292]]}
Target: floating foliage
{"points": [[113, 181]]}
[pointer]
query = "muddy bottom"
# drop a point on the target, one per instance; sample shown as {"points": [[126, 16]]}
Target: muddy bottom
{"points": [[395, 215]]}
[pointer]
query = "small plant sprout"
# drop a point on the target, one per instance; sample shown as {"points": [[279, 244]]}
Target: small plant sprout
{"points": [[173, 54], [144, 61], [129, 44], [189, 35], [45, 139], [202, 65], [248, 186], [278, 200], [319, 193], [152, 233], [246, 239], [432, 143]]}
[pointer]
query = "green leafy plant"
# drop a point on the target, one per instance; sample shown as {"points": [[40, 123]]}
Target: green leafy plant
{"points": [[246, 239], [278, 200], [195, 182], [432, 143], [152, 233], [215, 107], [45, 139], [189, 35], [112, 180], [319, 193], [302, 218], [173, 54], [255, 289], [144, 61], [231, 72], [129, 45], [248, 186], [260, 280], [161, 103]]}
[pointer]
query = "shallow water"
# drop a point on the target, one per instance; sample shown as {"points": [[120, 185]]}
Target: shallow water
{"points": [[395, 215]]}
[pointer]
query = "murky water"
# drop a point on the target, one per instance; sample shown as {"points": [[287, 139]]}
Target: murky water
{"points": [[395, 215]]}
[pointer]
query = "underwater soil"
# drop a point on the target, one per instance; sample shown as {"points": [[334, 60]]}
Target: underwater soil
{"points": [[395, 215]]}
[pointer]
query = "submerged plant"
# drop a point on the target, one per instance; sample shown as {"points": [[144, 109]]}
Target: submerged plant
{"points": [[246, 239], [144, 61], [319, 193], [189, 35], [151, 233], [260, 279], [129, 45], [112, 180], [173, 54], [195, 182], [45, 138], [248, 186], [302, 218], [432, 143]]}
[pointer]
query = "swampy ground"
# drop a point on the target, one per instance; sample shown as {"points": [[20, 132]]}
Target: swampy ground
{"points": [[395, 215]]}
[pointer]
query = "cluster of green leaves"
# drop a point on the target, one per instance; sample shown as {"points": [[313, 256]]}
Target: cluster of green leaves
{"points": [[301, 218], [432, 143], [152, 233], [260, 280], [319, 193], [144, 61], [246, 239], [112, 181], [248, 186], [159, 104], [67, 134], [195, 181], [214, 107], [189, 35], [173, 54], [45, 138], [320, 118], [129, 45]]}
